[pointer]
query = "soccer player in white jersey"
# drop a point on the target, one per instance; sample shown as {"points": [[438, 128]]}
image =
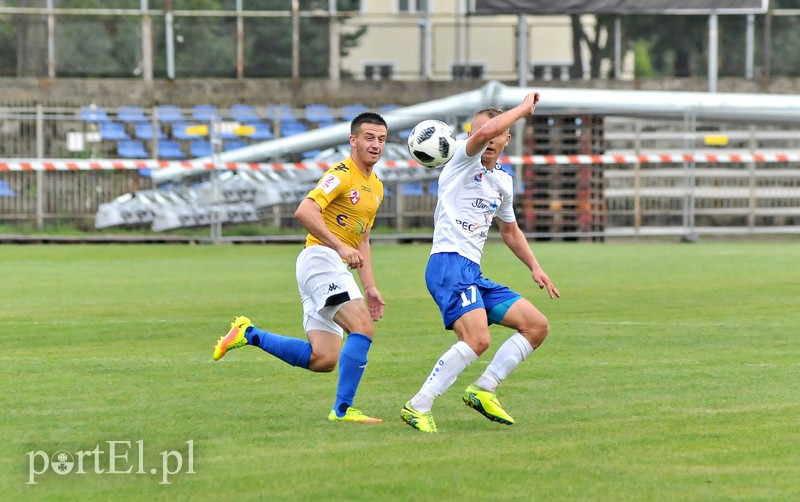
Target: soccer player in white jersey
{"points": [[473, 190]]}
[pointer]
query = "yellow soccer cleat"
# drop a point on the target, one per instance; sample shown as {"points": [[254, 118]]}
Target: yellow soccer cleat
{"points": [[423, 422], [486, 403], [352, 415], [234, 339]]}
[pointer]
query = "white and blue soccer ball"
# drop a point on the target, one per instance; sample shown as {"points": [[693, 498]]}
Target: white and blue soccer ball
{"points": [[431, 143]]}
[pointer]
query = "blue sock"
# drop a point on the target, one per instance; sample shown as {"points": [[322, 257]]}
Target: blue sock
{"points": [[294, 351], [352, 362]]}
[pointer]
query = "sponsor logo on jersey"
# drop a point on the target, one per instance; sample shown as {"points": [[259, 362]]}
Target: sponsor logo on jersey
{"points": [[341, 167], [328, 183], [467, 226], [341, 220]]}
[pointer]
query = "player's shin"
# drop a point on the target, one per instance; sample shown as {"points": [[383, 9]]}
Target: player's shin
{"points": [[293, 351], [352, 362], [443, 375], [515, 350]]}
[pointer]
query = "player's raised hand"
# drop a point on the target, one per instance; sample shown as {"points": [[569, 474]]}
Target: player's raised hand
{"points": [[531, 99], [375, 303]]}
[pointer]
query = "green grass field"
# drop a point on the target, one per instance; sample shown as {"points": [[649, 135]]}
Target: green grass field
{"points": [[671, 373]]}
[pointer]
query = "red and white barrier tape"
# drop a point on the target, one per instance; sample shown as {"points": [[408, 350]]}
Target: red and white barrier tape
{"points": [[116, 164]]}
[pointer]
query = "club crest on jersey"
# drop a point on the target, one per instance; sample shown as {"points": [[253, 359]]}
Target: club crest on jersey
{"points": [[478, 178], [355, 196]]}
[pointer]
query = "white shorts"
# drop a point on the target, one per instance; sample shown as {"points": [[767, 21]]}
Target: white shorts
{"points": [[325, 285]]}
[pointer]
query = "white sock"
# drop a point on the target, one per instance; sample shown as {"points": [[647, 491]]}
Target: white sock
{"points": [[444, 374], [508, 357]]}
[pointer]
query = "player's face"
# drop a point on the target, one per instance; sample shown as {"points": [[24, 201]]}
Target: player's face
{"points": [[367, 146], [496, 145]]}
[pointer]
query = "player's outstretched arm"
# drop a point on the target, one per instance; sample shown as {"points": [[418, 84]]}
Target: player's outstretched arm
{"points": [[495, 126], [515, 240]]}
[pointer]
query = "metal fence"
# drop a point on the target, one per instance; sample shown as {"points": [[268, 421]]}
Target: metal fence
{"points": [[149, 39]]}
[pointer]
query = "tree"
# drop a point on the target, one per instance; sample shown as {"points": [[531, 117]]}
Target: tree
{"points": [[205, 46]]}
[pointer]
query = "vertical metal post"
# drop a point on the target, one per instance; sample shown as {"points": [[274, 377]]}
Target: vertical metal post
{"points": [[421, 24], [147, 43], [214, 216], [51, 41], [522, 50], [170, 36], [39, 173], [295, 39], [752, 200], [428, 43], [334, 57], [617, 48], [518, 136], [239, 41], [637, 177], [690, 129], [750, 36], [457, 34], [768, 45], [713, 46]]}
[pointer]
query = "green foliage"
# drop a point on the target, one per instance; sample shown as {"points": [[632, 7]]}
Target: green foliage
{"points": [[205, 46], [643, 67], [669, 374]]}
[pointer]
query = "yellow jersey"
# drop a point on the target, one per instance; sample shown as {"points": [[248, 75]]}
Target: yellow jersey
{"points": [[349, 202]]}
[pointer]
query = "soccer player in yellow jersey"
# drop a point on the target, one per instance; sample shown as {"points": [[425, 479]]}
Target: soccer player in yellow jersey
{"points": [[338, 214]]}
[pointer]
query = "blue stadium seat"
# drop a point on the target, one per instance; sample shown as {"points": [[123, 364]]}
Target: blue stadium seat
{"points": [[131, 149], [387, 108], [145, 132], [290, 128], [310, 154], [349, 112], [94, 114], [319, 113], [244, 113], [200, 148], [262, 131], [205, 113], [6, 190], [283, 113], [234, 145], [131, 114], [169, 149], [180, 131], [169, 113], [413, 189], [113, 131]]}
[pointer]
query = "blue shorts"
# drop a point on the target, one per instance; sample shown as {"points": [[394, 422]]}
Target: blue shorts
{"points": [[457, 287]]}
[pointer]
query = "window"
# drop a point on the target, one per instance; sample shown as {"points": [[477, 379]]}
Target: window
{"points": [[412, 5], [378, 71], [467, 71]]}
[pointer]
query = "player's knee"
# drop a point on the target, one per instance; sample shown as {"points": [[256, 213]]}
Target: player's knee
{"points": [[322, 364], [537, 331], [478, 345]]}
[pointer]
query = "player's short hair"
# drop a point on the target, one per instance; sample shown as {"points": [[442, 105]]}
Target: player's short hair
{"points": [[366, 118], [491, 112]]}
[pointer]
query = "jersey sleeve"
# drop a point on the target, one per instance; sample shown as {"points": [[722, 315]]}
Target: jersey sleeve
{"points": [[330, 186]]}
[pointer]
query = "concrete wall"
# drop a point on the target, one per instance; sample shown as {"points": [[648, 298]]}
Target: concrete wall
{"points": [[222, 92]]}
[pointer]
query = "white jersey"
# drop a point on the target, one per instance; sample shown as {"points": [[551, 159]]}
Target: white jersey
{"points": [[470, 196]]}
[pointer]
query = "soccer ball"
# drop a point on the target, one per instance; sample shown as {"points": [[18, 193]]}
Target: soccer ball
{"points": [[431, 143]]}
